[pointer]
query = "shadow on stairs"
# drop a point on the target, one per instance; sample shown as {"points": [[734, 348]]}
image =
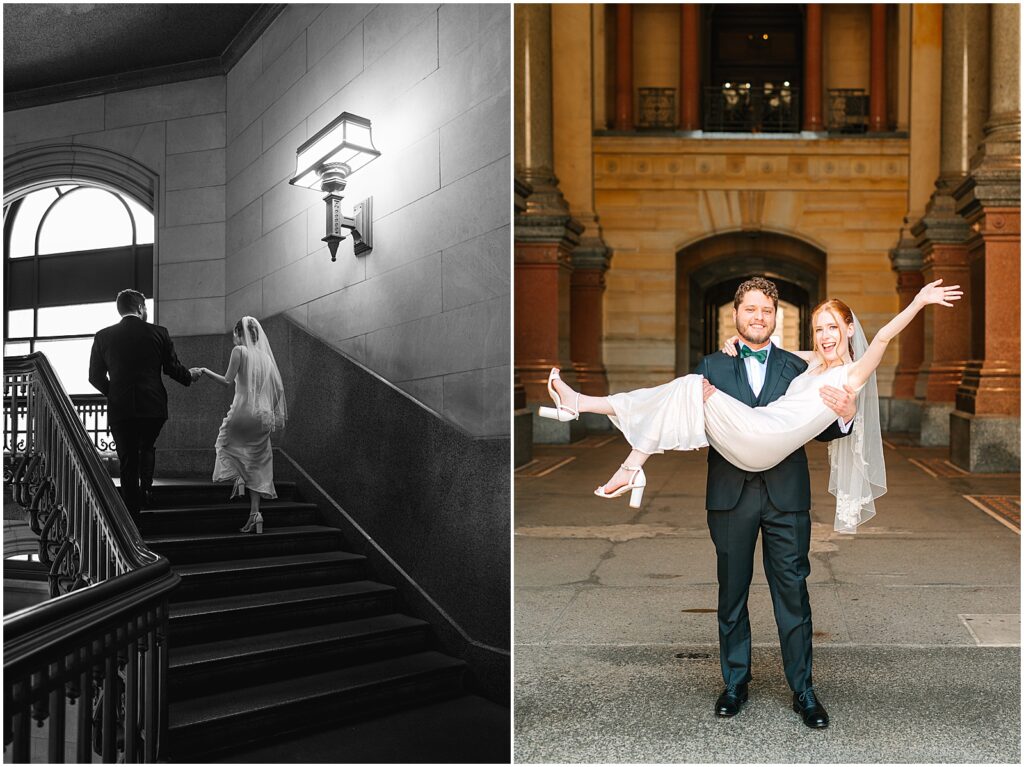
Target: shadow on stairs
{"points": [[283, 648]]}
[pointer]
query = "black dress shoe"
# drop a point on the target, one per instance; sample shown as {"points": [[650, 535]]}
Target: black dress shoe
{"points": [[729, 702], [810, 709]]}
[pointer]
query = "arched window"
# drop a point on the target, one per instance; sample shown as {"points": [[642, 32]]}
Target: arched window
{"points": [[68, 250]]}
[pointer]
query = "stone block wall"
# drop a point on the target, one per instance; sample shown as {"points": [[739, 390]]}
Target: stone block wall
{"points": [[428, 308], [177, 132]]}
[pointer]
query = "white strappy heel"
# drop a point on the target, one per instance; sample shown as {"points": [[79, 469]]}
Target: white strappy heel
{"points": [[635, 487], [559, 412]]}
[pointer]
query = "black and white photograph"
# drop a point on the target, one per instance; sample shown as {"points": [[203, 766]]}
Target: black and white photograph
{"points": [[257, 365], [740, 229]]}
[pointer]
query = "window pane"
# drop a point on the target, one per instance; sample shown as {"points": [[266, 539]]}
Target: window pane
{"points": [[81, 319], [85, 219], [17, 349], [143, 222], [23, 234], [19, 323], [70, 360]]}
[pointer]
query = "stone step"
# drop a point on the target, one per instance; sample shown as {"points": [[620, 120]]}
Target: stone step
{"points": [[190, 548], [224, 517]]}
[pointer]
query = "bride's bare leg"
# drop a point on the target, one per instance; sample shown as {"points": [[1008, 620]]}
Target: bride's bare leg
{"points": [[622, 476], [588, 404]]}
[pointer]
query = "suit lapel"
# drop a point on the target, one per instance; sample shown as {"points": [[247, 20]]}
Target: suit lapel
{"points": [[746, 394], [772, 376]]}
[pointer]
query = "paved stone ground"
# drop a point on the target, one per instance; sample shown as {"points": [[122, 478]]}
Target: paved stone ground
{"points": [[916, 623]]}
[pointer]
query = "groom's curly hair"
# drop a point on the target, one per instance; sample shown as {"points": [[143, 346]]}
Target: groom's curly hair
{"points": [[756, 283]]}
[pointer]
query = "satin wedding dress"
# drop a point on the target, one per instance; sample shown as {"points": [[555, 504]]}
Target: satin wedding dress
{"points": [[674, 416]]}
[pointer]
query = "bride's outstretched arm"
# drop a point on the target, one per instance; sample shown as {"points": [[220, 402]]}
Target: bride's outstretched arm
{"points": [[932, 293], [229, 377]]}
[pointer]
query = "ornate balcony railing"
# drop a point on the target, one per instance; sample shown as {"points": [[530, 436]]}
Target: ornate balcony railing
{"points": [[743, 109], [847, 110], [91, 408], [102, 642], [657, 108]]}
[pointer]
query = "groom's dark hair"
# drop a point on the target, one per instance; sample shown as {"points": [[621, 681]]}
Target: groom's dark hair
{"points": [[756, 283], [130, 302]]}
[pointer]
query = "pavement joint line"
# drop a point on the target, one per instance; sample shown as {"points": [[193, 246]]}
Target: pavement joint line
{"points": [[995, 515]]}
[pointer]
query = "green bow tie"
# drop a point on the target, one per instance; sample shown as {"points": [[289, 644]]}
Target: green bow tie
{"points": [[761, 354]]}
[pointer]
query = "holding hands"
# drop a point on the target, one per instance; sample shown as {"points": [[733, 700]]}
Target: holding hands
{"points": [[196, 374]]}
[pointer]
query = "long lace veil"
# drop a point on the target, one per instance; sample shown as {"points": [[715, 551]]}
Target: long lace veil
{"points": [[265, 400], [857, 465]]}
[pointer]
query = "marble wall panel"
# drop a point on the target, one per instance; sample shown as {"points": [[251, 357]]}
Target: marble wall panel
{"points": [[244, 149], [475, 138], [386, 25], [426, 391], [469, 338], [193, 279], [195, 169], [309, 278], [268, 87], [477, 394], [402, 177], [192, 316], [289, 24], [240, 79], [284, 245], [53, 120], [401, 295], [334, 24], [164, 102], [282, 202], [195, 242], [194, 134], [244, 228], [477, 269], [195, 206], [247, 301], [146, 144], [245, 267], [459, 25]]}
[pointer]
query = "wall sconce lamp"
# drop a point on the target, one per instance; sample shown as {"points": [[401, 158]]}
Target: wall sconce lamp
{"points": [[325, 162]]}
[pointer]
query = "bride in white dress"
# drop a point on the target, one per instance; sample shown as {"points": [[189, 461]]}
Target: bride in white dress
{"points": [[244, 453], [688, 412]]}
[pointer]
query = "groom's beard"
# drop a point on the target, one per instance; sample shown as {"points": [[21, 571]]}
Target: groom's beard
{"points": [[755, 335]]}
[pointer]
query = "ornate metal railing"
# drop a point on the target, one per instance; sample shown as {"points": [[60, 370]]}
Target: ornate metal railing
{"points": [[102, 642], [847, 110], [738, 108], [91, 409], [657, 108]]}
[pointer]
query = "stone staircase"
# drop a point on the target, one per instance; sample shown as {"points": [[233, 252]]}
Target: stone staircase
{"points": [[282, 632]]}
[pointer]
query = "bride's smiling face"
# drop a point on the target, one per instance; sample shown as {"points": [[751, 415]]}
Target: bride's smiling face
{"points": [[830, 337]]}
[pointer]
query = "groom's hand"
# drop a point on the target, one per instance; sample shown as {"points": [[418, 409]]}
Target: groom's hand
{"points": [[843, 402], [196, 373], [709, 389]]}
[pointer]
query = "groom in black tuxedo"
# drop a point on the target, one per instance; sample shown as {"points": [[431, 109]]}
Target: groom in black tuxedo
{"points": [[775, 502], [125, 366]]}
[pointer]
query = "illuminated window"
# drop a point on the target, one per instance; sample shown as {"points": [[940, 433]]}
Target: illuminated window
{"points": [[69, 250]]}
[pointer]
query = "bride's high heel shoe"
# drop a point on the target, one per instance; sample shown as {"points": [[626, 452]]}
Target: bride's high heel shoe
{"points": [[255, 521], [635, 487], [559, 412]]}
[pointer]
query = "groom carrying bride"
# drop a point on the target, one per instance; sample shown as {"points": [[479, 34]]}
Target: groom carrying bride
{"points": [[775, 502]]}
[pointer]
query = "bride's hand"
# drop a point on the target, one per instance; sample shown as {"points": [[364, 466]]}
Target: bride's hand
{"points": [[729, 347], [936, 293]]}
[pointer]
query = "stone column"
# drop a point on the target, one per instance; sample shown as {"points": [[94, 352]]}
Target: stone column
{"points": [[624, 67], [571, 36], [877, 116], [904, 410], [522, 418], [689, 62], [545, 232], [985, 427], [941, 235], [812, 70]]}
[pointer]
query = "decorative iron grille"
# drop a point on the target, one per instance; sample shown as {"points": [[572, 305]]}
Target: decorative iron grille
{"points": [[847, 110], [742, 109], [657, 108]]}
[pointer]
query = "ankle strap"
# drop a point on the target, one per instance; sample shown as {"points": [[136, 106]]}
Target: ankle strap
{"points": [[631, 468]]}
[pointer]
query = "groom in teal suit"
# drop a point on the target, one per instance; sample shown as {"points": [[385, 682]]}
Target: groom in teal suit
{"points": [[775, 502]]}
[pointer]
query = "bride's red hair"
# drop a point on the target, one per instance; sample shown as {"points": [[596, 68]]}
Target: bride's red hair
{"points": [[840, 311]]}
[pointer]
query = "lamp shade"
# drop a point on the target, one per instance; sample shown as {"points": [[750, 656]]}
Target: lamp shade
{"points": [[347, 140]]}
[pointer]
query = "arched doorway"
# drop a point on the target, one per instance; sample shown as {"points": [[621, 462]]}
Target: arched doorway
{"points": [[709, 271]]}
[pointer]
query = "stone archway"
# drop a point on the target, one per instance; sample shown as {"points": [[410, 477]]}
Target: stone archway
{"points": [[709, 271]]}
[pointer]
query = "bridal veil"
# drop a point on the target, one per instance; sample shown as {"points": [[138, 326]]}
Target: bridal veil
{"points": [[265, 393], [857, 475]]}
